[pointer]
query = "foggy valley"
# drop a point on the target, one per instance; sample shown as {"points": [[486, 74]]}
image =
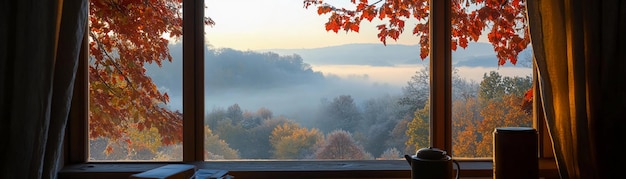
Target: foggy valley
{"points": [[293, 82]]}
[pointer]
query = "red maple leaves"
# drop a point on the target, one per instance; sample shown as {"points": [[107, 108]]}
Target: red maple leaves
{"points": [[504, 20]]}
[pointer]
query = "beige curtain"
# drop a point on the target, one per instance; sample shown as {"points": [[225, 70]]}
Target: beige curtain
{"points": [[581, 64], [39, 47]]}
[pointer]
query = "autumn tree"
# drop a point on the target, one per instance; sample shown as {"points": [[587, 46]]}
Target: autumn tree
{"points": [[290, 141], [418, 130], [503, 20], [232, 134], [465, 118], [339, 144], [124, 36], [258, 139], [216, 148], [499, 103], [507, 112]]}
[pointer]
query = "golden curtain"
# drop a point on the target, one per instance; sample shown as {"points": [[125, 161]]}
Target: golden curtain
{"points": [[580, 62]]}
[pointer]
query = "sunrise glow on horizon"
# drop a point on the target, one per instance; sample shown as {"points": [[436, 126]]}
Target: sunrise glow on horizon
{"points": [[284, 24]]}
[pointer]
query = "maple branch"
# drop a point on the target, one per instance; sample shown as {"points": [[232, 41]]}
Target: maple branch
{"points": [[118, 68], [107, 84], [375, 2], [115, 64], [92, 35]]}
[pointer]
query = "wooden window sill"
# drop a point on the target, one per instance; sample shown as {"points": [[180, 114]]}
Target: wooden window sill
{"points": [[258, 169]]}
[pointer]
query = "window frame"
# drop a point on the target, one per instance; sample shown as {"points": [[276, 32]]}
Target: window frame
{"points": [[76, 164]]}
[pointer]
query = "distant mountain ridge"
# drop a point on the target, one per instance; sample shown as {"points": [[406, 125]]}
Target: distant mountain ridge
{"points": [[356, 54], [282, 66]]}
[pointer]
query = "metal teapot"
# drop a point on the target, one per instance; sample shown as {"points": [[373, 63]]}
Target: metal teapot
{"points": [[431, 163]]}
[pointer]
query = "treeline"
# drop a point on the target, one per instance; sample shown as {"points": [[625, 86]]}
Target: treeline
{"points": [[384, 127], [379, 125]]}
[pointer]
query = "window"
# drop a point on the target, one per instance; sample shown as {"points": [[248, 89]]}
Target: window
{"points": [[279, 86], [195, 108]]}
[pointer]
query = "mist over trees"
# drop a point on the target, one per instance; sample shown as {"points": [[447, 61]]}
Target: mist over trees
{"points": [[228, 68], [302, 114]]}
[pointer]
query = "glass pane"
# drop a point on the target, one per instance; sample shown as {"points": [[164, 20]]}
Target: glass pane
{"points": [[280, 86], [135, 80], [488, 92]]}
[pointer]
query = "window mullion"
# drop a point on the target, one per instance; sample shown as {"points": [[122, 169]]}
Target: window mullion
{"points": [[193, 80], [77, 133], [440, 75]]}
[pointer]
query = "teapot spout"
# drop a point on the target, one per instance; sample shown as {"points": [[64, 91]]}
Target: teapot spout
{"points": [[408, 159]]}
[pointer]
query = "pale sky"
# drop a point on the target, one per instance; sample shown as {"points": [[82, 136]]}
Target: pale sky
{"points": [[257, 24]]}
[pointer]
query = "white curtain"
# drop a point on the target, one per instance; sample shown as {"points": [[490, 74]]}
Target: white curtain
{"points": [[581, 63], [39, 46]]}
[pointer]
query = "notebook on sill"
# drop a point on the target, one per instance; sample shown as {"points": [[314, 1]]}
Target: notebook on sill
{"points": [[171, 171]]}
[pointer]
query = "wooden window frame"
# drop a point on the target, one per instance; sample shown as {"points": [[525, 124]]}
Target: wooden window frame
{"points": [[76, 164]]}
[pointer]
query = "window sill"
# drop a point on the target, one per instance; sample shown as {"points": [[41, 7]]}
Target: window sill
{"points": [[257, 169]]}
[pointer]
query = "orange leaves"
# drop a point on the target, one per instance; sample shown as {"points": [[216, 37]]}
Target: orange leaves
{"points": [[353, 26], [394, 34], [463, 42], [506, 19], [334, 23], [337, 22], [324, 9], [382, 35], [368, 14]]}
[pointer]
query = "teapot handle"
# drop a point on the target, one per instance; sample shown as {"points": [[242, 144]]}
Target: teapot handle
{"points": [[458, 169]]}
